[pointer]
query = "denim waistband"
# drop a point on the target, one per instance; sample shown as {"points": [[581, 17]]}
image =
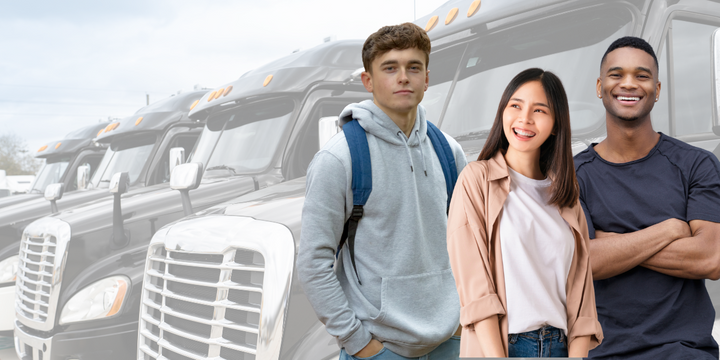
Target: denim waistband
{"points": [[545, 332]]}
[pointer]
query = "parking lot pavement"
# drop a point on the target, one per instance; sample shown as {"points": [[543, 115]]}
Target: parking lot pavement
{"points": [[7, 351]]}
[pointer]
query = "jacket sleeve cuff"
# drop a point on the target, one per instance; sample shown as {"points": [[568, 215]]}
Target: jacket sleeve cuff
{"points": [[587, 326], [481, 309], [357, 341]]}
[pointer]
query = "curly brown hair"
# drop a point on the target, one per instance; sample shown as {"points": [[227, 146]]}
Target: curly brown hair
{"points": [[400, 37]]}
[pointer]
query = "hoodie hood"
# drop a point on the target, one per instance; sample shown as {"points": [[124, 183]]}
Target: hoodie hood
{"points": [[377, 123]]}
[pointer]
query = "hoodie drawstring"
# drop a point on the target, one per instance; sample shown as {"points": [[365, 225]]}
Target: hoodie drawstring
{"points": [[402, 136], [422, 155]]}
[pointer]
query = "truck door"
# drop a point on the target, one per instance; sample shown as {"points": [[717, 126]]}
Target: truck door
{"points": [[161, 172], [87, 158], [303, 142], [684, 110]]}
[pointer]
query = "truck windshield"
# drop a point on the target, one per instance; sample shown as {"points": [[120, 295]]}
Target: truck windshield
{"points": [[125, 155], [244, 139], [50, 173], [570, 47]]}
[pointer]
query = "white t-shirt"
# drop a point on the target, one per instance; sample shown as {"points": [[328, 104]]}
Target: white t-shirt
{"points": [[537, 249]]}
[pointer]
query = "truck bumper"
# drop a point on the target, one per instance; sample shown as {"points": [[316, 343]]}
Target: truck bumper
{"points": [[7, 308], [110, 342]]}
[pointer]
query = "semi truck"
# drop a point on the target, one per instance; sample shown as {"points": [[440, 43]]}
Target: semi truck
{"points": [[139, 144], [62, 157], [260, 130], [247, 302]]}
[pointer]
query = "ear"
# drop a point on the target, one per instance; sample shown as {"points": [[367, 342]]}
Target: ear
{"points": [[427, 79], [366, 78], [657, 90], [598, 88]]}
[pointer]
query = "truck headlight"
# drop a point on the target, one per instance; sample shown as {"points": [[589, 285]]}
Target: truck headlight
{"points": [[8, 269], [102, 299]]}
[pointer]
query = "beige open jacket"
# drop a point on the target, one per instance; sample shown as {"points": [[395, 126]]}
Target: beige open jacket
{"points": [[474, 248]]}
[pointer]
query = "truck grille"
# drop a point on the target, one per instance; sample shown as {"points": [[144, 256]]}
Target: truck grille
{"points": [[35, 277], [198, 306]]}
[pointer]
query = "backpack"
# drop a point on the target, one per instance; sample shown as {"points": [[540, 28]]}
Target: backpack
{"points": [[362, 176]]}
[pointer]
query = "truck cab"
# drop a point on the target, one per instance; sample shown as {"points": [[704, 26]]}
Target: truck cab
{"points": [[248, 299], [259, 130], [62, 158]]}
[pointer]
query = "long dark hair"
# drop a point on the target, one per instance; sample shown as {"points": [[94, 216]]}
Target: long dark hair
{"points": [[556, 152]]}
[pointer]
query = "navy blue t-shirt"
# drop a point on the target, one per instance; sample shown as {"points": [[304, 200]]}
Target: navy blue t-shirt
{"points": [[645, 314]]}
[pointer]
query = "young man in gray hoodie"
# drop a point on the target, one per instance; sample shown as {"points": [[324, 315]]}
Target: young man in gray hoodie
{"points": [[402, 302]]}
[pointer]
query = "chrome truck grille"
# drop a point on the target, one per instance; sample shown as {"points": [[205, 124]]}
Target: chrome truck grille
{"points": [[199, 306], [42, 250], [35, 272], [198, 303]]}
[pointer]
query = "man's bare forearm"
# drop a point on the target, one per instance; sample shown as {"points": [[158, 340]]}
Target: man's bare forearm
{"points": [[694, 257], [614, 254]]}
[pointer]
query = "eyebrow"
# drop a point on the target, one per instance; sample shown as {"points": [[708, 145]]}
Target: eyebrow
{"points": [[618, 68], [523, 101], [395, 62]]}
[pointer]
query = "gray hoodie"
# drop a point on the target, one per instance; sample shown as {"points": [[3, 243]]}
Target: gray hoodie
{"points": [[407, 300]]}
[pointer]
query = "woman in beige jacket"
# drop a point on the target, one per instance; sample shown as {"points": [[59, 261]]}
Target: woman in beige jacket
{"points": [[531, 293]]}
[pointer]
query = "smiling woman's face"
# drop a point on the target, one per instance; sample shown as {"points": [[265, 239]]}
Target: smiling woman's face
{"points": [[527, 119]]}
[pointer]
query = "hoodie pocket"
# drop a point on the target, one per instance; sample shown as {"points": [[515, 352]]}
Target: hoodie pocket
{"points": [[419, 309]]}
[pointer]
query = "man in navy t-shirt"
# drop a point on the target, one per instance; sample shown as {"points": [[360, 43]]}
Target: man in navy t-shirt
{"points": [[653, 208]]}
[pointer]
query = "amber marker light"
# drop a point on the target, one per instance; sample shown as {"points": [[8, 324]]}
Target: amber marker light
{"points": [[42, 148], [138, 121], [474, 7], [58, 145], [268, 79], [212, 96], [195, 103], [219, 93], [227, 90], [118, 299], [100, 132], [451, 16], [431, 23]]}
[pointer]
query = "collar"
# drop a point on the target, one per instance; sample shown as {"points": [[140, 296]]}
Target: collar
{"points": [[497, 167]]}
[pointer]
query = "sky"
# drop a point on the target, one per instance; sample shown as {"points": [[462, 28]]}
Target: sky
{"points": [[69, 64]]}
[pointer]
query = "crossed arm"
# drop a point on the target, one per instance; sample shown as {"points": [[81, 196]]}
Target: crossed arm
{"points": [[672, 247]]}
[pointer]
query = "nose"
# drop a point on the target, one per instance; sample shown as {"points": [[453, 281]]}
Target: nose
{"points": [[525, 116], [628, 82], [402, 76]]}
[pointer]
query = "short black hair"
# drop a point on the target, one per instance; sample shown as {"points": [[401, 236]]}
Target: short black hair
{"points": [[633, 42]]}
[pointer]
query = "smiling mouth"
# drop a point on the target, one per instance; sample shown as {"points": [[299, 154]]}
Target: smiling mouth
{"points": [[630, 99], [523, 133]]}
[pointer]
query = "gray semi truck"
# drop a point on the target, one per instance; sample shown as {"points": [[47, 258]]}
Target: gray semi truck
{"points": [[259, 130], [242, 253], [62, 159], [139, 144]]}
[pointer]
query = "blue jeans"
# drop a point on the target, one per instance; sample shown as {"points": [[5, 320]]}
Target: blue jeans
{"points": [[448, 350], [547, 341]]}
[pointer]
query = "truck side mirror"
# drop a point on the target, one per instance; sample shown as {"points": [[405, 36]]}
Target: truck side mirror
{"points": [[186, 177], [715, 51], [83, 176], [54, 192], [176, 157], [327, 128], [119, 184]]}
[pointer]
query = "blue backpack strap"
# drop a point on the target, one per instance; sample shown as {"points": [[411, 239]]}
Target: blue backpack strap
{"points": [[361, 184], [446, 156]]}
